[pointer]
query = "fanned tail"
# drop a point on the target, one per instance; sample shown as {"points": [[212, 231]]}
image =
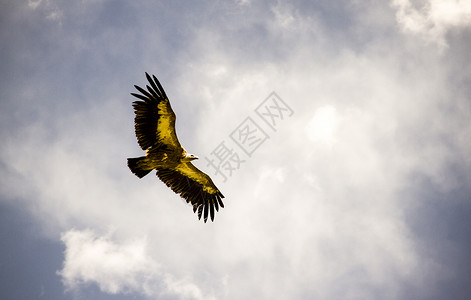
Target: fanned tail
{"points": [[133, 164]]}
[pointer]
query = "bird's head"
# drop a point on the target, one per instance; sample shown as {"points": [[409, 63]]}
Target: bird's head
{"points": [[190, 157]]}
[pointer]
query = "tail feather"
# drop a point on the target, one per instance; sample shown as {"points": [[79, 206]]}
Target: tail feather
{"points": [[133, 164]]}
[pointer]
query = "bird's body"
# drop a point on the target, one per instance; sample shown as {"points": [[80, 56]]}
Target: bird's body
{"points": [[155, 131], [162, 158]]}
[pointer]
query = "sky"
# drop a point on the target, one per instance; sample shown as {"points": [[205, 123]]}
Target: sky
{"points": [[354, 182]]}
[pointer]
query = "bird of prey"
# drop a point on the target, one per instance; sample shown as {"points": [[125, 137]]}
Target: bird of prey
{"points": [[154, 125]]}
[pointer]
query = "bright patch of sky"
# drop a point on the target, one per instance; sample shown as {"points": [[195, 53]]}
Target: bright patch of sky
{"points": [[323, 124]]}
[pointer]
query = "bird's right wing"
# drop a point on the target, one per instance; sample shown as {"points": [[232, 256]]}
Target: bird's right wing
{"points": [[155, 120], [195, 187]]}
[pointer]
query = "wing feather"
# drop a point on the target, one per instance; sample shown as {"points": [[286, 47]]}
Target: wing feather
{"points": [[154, 122], [143, 91], [195, 187], [160, 88], [139, 96], [154, 86]]}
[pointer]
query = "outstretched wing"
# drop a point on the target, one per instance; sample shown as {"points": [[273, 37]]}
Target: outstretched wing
{"points": [[155, 120], [195, 187]]}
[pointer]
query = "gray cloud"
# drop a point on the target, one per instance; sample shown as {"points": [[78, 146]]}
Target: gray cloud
{"points": [[342, 201], [432, 19]]}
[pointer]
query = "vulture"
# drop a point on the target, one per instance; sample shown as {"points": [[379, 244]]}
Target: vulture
{"points": [[154, 125]]}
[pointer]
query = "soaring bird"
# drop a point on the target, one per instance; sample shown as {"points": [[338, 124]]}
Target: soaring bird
{"points": [[154, 125]]}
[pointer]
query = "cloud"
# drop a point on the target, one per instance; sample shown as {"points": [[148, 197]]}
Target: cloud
{"points": [[48, 8], [432, 19], [322, 126], [118, 267], [318, 211]]}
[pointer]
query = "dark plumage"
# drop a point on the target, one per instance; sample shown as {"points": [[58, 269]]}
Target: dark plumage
{"points": [[155, 131]]}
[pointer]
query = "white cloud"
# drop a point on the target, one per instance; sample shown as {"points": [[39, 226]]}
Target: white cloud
{"points": [[34, 3], [243, 2], [283, 14], [50, 9], [118, 267], [431, 19], [114, 267], [321, 128]]}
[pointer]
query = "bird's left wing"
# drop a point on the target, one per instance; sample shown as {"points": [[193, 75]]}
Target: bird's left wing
{"points": [[155, 120], [195, 187]]}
